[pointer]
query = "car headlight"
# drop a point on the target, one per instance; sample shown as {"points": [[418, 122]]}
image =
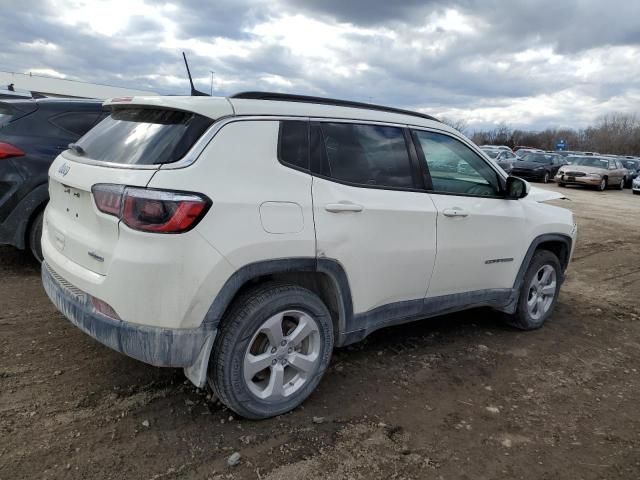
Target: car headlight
{"points": [[636, 182], [594, 175]]}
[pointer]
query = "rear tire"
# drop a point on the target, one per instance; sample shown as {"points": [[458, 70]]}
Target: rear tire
{"points": [[259, 331], [622, 182], [35, 237], [538, 293], [545, 179]]}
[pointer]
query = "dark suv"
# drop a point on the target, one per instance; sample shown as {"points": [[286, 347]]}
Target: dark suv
{"points": [[32, 134]]}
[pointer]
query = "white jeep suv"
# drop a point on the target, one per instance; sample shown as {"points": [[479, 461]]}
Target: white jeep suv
{"points": [[244, 238]]}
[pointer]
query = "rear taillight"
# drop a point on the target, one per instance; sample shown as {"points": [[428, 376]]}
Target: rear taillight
{"points": [[147, 210], [108, 198], [8, 151]]}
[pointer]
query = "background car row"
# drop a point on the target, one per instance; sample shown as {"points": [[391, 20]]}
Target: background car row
{"points": [[592, 169]]}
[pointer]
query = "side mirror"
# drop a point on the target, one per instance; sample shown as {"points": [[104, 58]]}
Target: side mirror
{"points": [[516, 188]]}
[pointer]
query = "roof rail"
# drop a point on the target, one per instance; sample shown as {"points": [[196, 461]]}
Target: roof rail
{"points": [[286, 97]]}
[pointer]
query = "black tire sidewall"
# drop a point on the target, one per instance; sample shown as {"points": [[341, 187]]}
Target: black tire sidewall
{"points": [[240, 398], [603, 185], [35, 236], [539, 259]]}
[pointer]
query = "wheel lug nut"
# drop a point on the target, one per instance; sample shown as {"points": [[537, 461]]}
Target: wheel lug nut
{"points": [[283, 343], [290, 349], [273, 350], [284, 361], [274, 361]]}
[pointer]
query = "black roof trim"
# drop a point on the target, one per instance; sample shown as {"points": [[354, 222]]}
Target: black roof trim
{"points": [[286, 97]]}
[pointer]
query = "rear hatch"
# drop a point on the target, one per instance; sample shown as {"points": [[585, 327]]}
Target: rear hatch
{"points": [[126, 148]]}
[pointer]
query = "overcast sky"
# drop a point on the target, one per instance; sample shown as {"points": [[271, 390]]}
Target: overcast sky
{"points": [[527, 63]]}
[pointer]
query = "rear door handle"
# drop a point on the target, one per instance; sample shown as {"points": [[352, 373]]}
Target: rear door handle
{"points": [[343, 207], [455, 212]]}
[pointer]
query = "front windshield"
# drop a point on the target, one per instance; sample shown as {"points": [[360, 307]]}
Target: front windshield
{"points": [[491, 153], [538, 158], [590, 162]]}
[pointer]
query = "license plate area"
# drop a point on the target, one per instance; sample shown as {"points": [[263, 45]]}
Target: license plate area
{"points": [[72, 201]]}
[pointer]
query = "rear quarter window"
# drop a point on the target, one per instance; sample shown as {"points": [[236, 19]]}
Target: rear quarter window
{"points": [[293, 144], [144, 136]]}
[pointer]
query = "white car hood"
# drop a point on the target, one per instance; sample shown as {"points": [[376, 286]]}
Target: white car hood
{"points": [[541, 195]]}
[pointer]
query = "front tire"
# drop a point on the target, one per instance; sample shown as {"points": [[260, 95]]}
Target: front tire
{"points": [[538, 293], [622, 182], [545, 179], [562, 184], [603, 185], [35, 237], [271, 351]]}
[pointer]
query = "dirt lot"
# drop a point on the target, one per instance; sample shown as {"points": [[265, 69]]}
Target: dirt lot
{"points": [[459, 397]]}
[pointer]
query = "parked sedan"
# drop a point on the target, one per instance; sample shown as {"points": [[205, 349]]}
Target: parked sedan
{"points": [[538, 166], [599, 172], [504, 158], [32, 134], [633, 168]]}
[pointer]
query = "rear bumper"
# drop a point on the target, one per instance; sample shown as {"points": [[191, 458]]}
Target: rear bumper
{"points": [[162, 347]]}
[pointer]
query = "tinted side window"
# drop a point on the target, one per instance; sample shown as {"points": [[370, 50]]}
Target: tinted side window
{"points": [[372, 155], [77, 123], [455, 168], [293, 143]]}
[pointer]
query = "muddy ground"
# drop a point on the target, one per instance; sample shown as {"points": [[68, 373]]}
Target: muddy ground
{"points": [[458, 397]]}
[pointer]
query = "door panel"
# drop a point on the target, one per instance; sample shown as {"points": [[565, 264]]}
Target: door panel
{"points": [[384, 239], [480, 249], [478, 230]]}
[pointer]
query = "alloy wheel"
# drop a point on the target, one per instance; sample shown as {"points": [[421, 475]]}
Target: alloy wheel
{"points": [[542, 291], [282, 356]]}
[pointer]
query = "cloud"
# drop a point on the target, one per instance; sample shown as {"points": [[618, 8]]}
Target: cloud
{"points": [[530, 64]]}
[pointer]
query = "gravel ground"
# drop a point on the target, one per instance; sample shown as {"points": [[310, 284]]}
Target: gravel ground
{"points": [[457, 397]]}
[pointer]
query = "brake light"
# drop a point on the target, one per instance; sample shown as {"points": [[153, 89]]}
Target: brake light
{"points": [[7, 151], [108, 198], [147, 210]]}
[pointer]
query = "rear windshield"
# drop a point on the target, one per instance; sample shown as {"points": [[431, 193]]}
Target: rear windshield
{"points": [[143, 136]]}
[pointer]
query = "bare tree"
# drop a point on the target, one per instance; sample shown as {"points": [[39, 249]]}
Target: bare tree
{"points": [[460, 125], [616, 133]]}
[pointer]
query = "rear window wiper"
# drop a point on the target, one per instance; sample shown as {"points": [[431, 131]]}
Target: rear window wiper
{"points": [[76, 148]]}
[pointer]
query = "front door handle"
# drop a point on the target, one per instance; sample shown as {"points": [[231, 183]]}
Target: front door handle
{"points": [[343, 207], [455, 212]]}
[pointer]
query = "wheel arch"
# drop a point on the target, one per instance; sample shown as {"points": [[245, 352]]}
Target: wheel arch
{"points": [[557, 243], [325, 277], [22, 216]]}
